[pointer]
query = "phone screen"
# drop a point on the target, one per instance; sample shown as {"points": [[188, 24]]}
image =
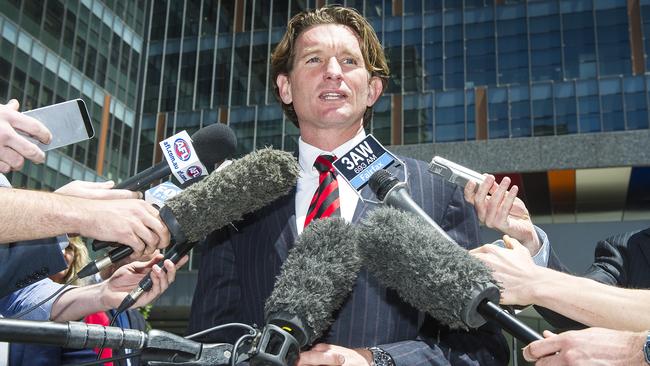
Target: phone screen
{"points": [[69, 122]]}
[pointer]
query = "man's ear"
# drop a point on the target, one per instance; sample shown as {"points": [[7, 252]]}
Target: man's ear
{"points": [[374, 90], [284, 87]]}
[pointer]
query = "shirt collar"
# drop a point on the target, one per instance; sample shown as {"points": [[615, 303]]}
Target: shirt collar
{"points": [[307, 153]]}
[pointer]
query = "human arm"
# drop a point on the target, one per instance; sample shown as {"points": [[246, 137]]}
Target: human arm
{"points": [[127, 221], [15, 148], [588, 347], [81, 301], [581, 299], [500, 209]]}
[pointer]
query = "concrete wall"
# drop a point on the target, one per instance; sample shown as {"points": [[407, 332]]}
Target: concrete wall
{"points": [[534, 154]]}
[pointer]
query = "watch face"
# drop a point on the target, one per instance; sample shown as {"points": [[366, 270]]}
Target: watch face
{"points": [[381, 357]]}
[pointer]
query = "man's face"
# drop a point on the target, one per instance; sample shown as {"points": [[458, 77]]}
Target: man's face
{"points": [[329, 85]]}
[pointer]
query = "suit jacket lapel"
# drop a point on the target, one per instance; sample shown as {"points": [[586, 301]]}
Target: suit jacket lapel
{"points": [[286, 210]]}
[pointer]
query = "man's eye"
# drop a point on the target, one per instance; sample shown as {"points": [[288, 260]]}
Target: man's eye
{"points": [[313, 59]]}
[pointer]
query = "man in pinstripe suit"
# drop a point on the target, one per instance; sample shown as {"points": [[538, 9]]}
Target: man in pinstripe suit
{"points": [[329, 70]]}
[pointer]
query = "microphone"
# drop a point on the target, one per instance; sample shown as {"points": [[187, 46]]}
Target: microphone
{"points": [[433, 273], [389, 190], [212, 144], [315, 279], [244, 186], [156, 346]]}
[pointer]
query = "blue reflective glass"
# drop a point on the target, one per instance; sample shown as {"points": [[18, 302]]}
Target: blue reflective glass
{"points": [[520, 127]]}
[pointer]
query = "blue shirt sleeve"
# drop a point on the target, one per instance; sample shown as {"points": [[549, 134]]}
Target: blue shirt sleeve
{"points": [[29, 296]]}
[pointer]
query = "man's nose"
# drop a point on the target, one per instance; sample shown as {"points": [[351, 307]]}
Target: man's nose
{"points": [[333, 69]]}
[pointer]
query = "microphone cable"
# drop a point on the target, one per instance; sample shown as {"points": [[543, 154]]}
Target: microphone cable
{"points": [[101, 349], [116, 358], [252, 333]]}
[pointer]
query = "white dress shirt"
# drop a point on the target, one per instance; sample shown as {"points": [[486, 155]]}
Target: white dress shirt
{"points": [[308, 180]]}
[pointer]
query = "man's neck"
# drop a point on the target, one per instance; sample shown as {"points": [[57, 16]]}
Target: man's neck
{"points": [[329, 139]]}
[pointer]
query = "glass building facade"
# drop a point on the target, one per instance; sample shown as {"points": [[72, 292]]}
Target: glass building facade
{"points": [[460, 70], [55, 50]]}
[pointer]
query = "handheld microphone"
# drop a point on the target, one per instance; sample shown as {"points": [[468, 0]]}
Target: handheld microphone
{"points": [[156, 346], [433, 273], [391, 191], [213, 144], [315, 279], [245, 186]]}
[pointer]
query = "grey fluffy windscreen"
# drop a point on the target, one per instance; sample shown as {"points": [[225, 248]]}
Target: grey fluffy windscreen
{"points": [[318, 274], [428, 271], [246, 185]]}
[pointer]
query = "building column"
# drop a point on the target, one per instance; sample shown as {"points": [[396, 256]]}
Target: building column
{"points": [[480, 113], [103, 134], [636, 37], [396, 124]]}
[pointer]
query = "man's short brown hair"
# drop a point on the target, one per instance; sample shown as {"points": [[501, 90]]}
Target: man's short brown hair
{"points": [[372, 51]]}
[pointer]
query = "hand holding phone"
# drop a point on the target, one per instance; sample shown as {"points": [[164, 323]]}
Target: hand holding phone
{"points": [[453, 172], [69, 123], [15, 147]]}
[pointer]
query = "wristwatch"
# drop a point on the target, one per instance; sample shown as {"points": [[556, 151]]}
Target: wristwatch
{"points": [[646, 348], [382, 358]]}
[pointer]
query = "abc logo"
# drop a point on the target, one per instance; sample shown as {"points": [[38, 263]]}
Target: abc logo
{"points": [[182, 149], [194, 171]]}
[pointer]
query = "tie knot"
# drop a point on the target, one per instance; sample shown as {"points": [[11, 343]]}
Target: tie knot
{"points": [[323, 163]]}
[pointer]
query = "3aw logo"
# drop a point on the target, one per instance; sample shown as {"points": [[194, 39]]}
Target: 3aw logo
{"points": [[194, 171], [182, 149]]}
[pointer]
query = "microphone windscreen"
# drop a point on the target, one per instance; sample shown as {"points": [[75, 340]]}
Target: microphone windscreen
{"points": [[214, 143], [429, 271], [317, 276], [246, 185]]}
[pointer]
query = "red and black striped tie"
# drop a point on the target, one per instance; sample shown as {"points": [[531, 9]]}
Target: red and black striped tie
{"points": [[325, 202]]}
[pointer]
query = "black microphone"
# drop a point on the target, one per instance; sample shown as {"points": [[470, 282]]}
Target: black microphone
{"points": [[213, 144], [244, 186], [156, 346], [315, 279], [389, 190], [433, 273]]}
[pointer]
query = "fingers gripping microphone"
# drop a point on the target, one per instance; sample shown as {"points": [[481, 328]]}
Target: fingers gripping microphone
{"points": [[315, 279], [432, 273], [245, 186], [213, 144], [391, 191]]}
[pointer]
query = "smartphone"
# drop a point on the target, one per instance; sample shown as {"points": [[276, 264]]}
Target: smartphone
{"points": [[453, 172], [69, 122]]}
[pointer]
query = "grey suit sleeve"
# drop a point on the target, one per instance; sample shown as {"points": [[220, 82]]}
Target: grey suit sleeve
{"points": [[24, 263]]}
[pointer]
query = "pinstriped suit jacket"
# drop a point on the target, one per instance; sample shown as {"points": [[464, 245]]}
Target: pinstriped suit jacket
{"points": [[239, 267]]}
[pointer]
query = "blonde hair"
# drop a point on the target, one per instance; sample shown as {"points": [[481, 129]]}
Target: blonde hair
{"points": [[371, 49], [80, 258]]}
